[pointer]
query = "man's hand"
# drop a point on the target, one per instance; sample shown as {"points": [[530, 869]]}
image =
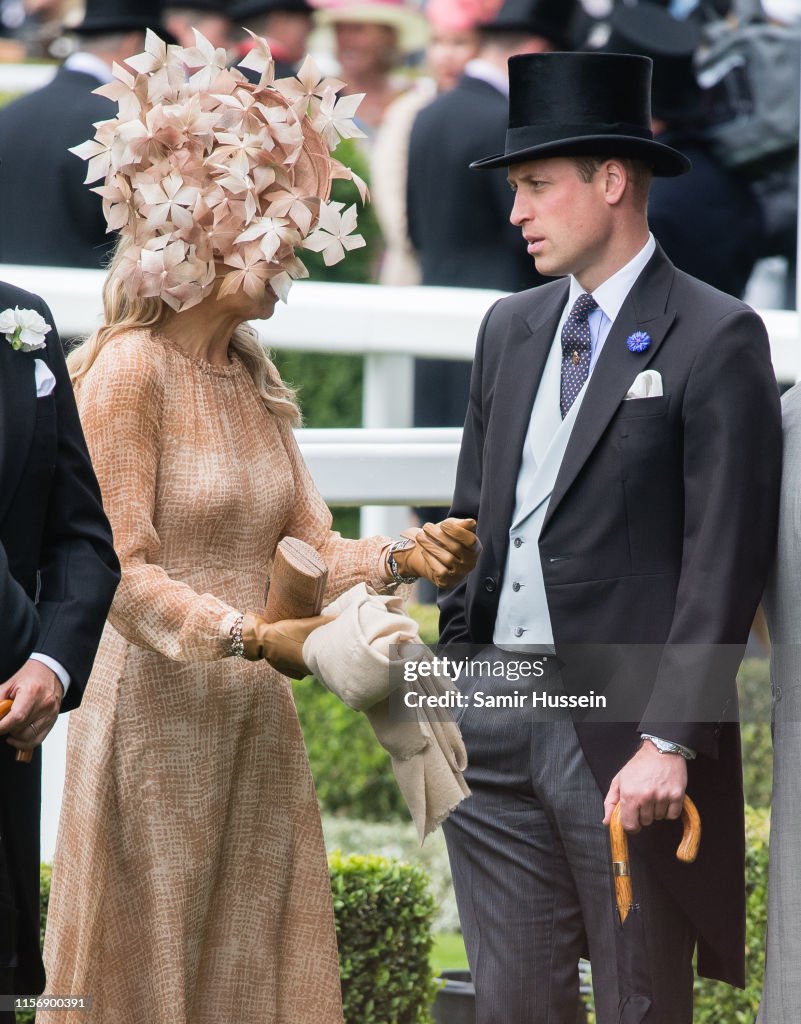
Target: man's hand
{"points": [[37, 693], [650, 787], [443, 553]]}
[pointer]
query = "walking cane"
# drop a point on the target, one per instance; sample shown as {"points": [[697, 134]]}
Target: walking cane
{"points": [[24, 756], [635, 989], [687, 852]]}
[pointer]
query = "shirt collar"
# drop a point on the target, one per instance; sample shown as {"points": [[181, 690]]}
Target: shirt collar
{"points": [[486, 72], [611, 295], [89, 64]]}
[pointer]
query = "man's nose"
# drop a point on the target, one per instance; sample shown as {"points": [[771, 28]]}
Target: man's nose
{"points": [[518, 216]]}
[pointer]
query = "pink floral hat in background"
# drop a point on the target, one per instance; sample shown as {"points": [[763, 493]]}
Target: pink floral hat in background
{"points": [[207, 173]]}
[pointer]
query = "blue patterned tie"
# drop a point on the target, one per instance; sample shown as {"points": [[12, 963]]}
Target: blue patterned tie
{"points": [[576, 350]]}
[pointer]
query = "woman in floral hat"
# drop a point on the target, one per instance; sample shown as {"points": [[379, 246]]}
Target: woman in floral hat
{"points": [[190, 880]]}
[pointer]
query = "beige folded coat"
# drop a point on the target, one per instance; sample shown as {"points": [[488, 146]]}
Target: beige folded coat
{"points": [[360, 656]]}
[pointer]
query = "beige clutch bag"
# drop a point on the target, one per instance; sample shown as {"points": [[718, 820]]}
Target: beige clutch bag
{"points": [[298, 582]]}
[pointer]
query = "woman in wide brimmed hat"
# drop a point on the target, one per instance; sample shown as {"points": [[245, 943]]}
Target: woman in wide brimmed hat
{"points": [[190, 879], [371, 39]]}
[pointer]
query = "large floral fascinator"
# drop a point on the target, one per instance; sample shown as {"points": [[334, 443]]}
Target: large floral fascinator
{"points": [[204, 169]]}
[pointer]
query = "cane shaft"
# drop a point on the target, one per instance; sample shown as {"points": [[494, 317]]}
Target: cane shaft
{"points": [[619, 842]]}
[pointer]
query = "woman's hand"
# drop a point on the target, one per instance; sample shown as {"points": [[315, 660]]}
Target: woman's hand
{"points": [[443, 553], [279, 643]]}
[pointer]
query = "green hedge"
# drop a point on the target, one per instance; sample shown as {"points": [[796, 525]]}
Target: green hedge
{"points": [[383, 913], [714, 1001]]}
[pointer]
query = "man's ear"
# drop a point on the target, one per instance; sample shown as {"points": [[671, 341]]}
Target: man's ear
{"points": [[615, 177]]}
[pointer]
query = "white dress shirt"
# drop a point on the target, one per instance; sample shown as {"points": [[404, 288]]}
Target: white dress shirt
{"points": [[89, 64]]}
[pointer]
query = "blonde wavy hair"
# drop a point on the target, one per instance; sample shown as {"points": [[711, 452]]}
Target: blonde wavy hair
{"points": [[123, 313]]}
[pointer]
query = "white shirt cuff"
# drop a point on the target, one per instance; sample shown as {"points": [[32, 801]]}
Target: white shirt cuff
{"points": [[56, 666]]}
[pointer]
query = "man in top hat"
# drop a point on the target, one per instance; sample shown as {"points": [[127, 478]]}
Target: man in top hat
{"points": [[690, 215], [49, 217], [285, 24], [621, 454], [209, 17]]}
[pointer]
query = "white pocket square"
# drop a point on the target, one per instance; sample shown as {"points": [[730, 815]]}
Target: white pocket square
{"points": [[647, 384], [45, 381]]}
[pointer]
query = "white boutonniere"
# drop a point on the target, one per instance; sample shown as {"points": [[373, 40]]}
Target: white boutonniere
{"points": [[24, 329]]}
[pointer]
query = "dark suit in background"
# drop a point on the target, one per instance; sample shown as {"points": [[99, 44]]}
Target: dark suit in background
{"points": [[459, 225], [58, 573], [49, 217], [708, 221]]}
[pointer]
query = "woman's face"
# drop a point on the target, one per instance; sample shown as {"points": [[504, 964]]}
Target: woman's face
{"points": [[364, 48], [448, 52], [242, 306]]}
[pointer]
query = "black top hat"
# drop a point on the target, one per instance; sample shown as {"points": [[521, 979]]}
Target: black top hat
{"points": [[209, 6], [582, 104], [108, 16], [552, 19], [650, 30], [241, 10]]}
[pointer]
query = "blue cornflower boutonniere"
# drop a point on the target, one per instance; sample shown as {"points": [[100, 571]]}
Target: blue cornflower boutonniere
{"points": [[638, 342]]}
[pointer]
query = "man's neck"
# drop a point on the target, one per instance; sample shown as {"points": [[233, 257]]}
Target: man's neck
{"points": [[621, 252]]}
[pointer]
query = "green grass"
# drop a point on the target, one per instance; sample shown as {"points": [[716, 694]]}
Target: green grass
{"points": [[448, 952]]}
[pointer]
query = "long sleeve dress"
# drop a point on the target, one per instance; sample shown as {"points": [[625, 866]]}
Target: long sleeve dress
{"points": [[190, 881]]}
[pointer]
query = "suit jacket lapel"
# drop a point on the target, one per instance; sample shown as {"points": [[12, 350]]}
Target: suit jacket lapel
{"points": [[17, 418], [518, 378], [643, 310]]}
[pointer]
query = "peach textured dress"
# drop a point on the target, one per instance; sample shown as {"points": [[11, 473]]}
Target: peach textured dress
{"points": [[190, 881]]}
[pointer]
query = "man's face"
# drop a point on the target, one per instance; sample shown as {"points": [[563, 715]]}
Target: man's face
{"points": [[565, 221]]}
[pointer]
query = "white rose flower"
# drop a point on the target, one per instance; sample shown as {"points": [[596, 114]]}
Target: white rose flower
{"points": [[25, 329], [8, 322]]}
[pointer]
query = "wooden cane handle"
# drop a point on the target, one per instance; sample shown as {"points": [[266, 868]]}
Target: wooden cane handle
{"points": [[619, 841], [691, 838], [23, 756]]}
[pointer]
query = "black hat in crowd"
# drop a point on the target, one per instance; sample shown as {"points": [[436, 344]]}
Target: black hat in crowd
{"points": [[650, 30], [104, 17], [241, 10], [582, 104], [551, 19], [207, 6]]}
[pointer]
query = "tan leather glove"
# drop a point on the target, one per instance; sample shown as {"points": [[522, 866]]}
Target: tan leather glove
{"points": [[443, 552], [279, 643]]}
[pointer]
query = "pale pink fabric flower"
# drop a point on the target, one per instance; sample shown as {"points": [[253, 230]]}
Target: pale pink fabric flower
{"points": [[333, 237], [203, 168]]}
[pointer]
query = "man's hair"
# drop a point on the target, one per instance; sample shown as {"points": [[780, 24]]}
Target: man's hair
{"points": [[104, 43], [640, 173]]}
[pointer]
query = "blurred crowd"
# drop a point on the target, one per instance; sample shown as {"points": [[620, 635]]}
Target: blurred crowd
{"points": [[434, 85]]}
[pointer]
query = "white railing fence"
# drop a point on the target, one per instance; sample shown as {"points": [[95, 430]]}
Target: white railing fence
{"points": [[386, 465]]}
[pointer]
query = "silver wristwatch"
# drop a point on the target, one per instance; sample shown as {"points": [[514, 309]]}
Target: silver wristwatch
{"points": [[392, 565], [669, 747]]}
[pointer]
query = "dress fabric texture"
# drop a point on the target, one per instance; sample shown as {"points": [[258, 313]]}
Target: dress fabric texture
{"points": [[190, 881]]}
